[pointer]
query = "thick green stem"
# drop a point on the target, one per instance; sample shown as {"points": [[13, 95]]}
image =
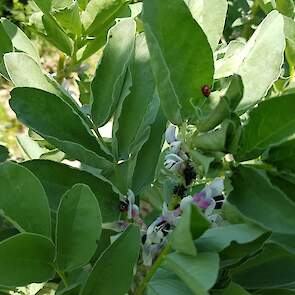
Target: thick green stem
{"points": [[153, 270]]}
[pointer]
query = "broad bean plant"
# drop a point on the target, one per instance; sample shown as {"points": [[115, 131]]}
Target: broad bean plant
{"points": [[194, 191]]}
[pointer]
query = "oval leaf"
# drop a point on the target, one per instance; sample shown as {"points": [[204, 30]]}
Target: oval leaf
{"points": [[4, 153], [57, 36], [180, 71], [255, 60], [166, 283], [53, 119], [148, 157], [117, 263], [99, 14], [199, 272], [26, 258], [273, 267], [210, 15], [139, 108], [78, 228], [258, 199], [110, 73], [191, 225], [58, 178], [23, 200], [19, 39], [19, 64], [269, 124]]}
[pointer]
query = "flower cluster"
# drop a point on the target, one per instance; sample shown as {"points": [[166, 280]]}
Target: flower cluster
{"points": [[157, 233], [155, 236]]}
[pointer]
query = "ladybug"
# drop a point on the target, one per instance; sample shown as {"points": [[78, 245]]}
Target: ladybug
{"points": [[206, 90]]}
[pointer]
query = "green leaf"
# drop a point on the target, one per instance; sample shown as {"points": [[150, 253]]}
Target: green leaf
{"points": [[219, 238], [255, 60], [285, 241], [99, 14], [58, 178], [140, 107], [271, 123], [283, 156], [272, 268], [179, 83], [210, 15], [216, 140], [56, 35], [78, 228], [289, 29], [74, 281], [276, 292], [4, 153], [19, 64], [191, 225], [110, 74], [225, 106], [5, 47], [117, 262], [256, 197], [60, 4], [199, 273], [45, 6], [83, 4], [232, 289], [285, 182], [30, 148], [19, 39], [23, 201], [286, 7], [167, 283], [55, 120], [148, 157], [6, 44], [69, 18], [26, 258]]}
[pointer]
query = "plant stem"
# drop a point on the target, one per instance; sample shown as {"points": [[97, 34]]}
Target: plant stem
{"points": [[63, 277], [154, 268], [292, 72]]}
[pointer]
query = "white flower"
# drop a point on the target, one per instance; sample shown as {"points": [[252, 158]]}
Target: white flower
{"points": [[173, 162], [168, 215], [211, 208], [170, 134], [175, 147], [215, 188]]}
